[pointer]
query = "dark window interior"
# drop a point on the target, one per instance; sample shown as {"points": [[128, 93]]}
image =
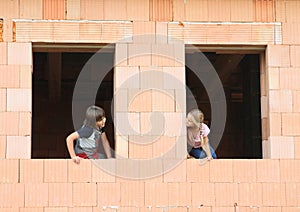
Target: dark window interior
{"points": [[52, 99], [240, 77]]}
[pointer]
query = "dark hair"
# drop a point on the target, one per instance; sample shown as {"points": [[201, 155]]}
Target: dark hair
{"points": [[93, 114]]}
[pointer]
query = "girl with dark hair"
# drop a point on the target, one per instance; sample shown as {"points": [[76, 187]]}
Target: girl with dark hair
{"points": [[90, 137]]}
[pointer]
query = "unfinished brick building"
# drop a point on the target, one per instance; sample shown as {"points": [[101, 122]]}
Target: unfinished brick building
{"points": [[148, 58]]}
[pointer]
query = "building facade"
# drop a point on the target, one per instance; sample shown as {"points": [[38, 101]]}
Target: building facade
{"points": [[147, 63]]}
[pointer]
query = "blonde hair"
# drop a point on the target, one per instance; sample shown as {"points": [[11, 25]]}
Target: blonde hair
{"points": [[196, 117]]}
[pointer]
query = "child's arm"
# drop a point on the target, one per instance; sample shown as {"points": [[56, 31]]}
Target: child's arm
{"points": [[70, 144], [106, 145], [206, 148]]}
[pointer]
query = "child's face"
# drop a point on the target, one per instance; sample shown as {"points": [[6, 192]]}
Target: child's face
{"points": [[101, 123], [189, 123]]}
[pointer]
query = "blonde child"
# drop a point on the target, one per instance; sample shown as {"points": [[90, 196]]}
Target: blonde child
{"points": [[197, 132]]}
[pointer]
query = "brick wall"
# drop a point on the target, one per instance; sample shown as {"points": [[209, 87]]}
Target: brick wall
{"points": [[219, 185]]}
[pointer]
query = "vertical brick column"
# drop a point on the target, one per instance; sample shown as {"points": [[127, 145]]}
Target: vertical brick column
{"points": [[16, 96], [280, 121], [149, 95]]}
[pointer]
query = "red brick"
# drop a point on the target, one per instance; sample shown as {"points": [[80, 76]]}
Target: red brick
{"points": [[174, 78], [2, 147], [9, 171], [292, 191], [295, 54], [90, 32], [163, 54], [151, 170], [242, 11], [36, 194], [3, 100], [114, 10], [25, 124], [3, 53], [275, 124], [24, 49], [60, 194], [280, 101], [200, 209], [198, 191], [104, 170], [174, 124], [288, 120], [116, 32], [121, 146], [56, 209], [219, 11], [226, 194], [282, 147], [273, 78], [10, 76], [194, 167], [55, 171], [109, 194], [18, 147], [296, 101], [90, 194], [80, 172], [140, 151], [175, 170], [8, 122], [81, 209], [297, 147], [126, 127], [144, 32], [139, 100], [66, 31], [196, 10], [270, 209], [152, 189], [278, 56], [73, 9], [289, 78], [250, 194], [8, 28], [221, 170], [180, 194], [223, 209], [127, 77], [31, 171], [121, 54], [19, 99], [289, 170], [244, 171], [33, 209], [26, 76], [274, 194], [292, 8], [137, 11], [289, 35], [164, 146], [151, 79], [289, 209], [267, 170], [139, 54], [132, 194], [12, 195], [32, 9], [91, 10]]}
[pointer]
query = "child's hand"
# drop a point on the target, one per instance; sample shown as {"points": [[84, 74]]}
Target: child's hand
{"points": [[76, 159]]}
